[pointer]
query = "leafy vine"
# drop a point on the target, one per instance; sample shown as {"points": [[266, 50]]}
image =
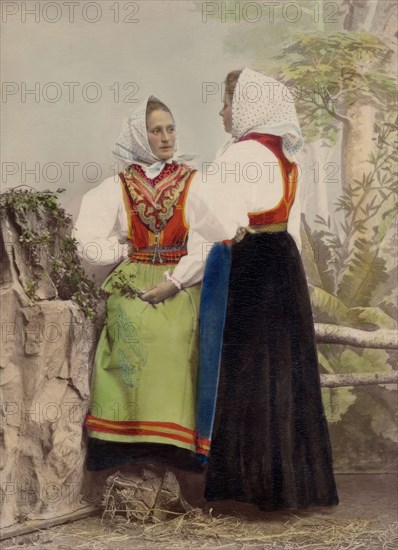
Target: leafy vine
{"points": [[44, 230]]}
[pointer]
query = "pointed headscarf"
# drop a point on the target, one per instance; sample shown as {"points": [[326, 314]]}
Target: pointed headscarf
{"points": [[133, 145], [265, 105]]}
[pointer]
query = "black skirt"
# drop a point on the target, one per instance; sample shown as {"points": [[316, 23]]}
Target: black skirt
{"points": [[270, 444], [102, 455]]}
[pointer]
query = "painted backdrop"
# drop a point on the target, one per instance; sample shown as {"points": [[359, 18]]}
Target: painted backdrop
{"points": [[71, 72]]}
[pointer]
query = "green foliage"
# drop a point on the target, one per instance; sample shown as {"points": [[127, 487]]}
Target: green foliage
{"points": [[366, 438], [357, 287], [367, 361], [336, 402], [370, 317], [382, 419], [354, 265], [327, 308], [375, 196], [375, 403], [324, 363], [124, 284], [369, 208], [365, 272], [20, 202], [327, 247], [70, 279], [30, 289], [44, 234], [332, 73]]}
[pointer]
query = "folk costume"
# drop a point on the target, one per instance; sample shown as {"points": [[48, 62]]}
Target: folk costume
{"points": [[144, 379], [261, 425]]}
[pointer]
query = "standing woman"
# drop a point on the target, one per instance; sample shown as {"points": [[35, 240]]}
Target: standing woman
{"points": [[144, 380], [261, 424]]}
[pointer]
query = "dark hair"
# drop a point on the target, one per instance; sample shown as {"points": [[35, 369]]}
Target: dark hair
{"points": [[156, 105], [230, 82]]}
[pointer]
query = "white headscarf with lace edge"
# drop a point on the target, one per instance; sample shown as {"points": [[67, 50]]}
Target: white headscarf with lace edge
{"points": [[262, 104], [133, 145]]}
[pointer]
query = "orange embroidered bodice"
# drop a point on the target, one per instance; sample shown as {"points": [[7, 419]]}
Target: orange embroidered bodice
{"points": [[280, 213], [157, 229]]}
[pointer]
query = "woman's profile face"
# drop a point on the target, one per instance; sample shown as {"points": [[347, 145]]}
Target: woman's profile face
{"points": [[226, 113], [161, 134]]}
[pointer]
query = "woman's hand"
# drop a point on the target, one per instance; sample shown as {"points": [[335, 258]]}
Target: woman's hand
{"points": [[160, 292]]}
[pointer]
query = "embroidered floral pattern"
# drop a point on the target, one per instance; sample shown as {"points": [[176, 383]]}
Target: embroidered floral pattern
{"points": [[156, 205], [128, 332], [128, 372]]}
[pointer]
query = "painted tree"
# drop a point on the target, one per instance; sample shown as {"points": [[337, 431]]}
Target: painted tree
{"points": [[335, 77]]}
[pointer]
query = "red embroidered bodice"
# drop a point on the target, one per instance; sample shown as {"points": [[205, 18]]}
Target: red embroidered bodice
{"points": [[280, 213], [157, 228]]}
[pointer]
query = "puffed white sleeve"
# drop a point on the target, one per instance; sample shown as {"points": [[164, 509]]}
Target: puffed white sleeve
{"points": [[214, 211], [294, 221], [245, 178], [189, 270], [101, 227], [217, 204]]}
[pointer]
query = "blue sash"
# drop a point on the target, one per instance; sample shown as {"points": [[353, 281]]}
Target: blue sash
{"points": [[213, 307]]}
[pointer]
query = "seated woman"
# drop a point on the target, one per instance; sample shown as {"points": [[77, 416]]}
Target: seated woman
{"points": [[260, 415], [143, 386]]}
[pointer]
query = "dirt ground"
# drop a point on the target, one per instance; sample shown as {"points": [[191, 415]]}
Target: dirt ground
{"points": [[366, 519]]}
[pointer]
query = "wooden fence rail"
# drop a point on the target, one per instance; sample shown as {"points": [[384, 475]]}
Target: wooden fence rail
{"points": [[337, 334], [379, 339]]}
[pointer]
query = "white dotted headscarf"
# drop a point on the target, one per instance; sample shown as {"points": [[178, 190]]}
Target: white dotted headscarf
{"points": [[133, 146], [264, 105]]}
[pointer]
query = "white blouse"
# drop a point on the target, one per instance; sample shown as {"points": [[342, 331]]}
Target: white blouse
{"points": [[101, 228], [245, 178]]}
